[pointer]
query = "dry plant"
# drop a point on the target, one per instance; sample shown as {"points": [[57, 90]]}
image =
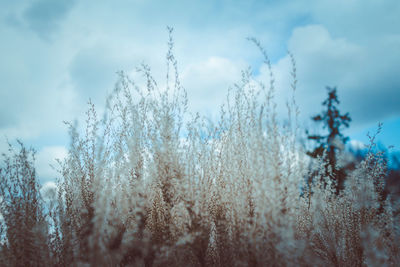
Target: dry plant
{"points": [[147, 185]]}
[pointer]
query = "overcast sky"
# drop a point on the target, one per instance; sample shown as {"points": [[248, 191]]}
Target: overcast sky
{"points": [[56, 54]]}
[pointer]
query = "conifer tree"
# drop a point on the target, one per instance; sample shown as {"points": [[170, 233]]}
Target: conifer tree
{"points": [[330, 143]]}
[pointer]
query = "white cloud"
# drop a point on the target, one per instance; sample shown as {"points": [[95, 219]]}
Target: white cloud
{"points": [[350, 44], [46, 158], [323, 60], [207, 82], [49, 192], [320, 61], [357, 145]]}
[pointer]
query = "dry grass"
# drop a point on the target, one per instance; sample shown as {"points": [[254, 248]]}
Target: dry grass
{"points": [[135, 192]]}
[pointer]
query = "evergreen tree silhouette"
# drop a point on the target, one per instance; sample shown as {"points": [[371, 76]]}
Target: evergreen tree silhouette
{"points": [[330, 143]]}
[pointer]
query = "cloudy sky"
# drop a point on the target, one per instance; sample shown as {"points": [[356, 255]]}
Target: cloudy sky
{"points": [[56, 54]]}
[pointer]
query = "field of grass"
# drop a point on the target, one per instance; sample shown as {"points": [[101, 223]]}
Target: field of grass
{"points": [[152, 185]]}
